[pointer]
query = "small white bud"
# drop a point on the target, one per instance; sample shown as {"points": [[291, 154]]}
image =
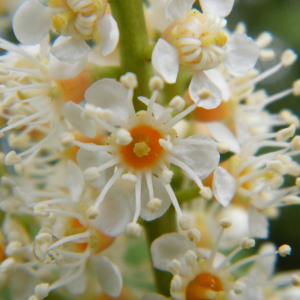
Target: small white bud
{"points": [[174, 266], [92, 212], [204, 94], [167, 176], [284, 250], [39, 210], [42, 290], [123, 137], [190, 258], [13, 248], [185, 223], [264, 39], [223, 147], [129, 177], [11, 158], [154, 204], [176, 284], [296, 88], [156, 83], [129, 80], [133, 230], [166, 144], [206, 193], [194, 235], [91, 174], [7, 265], [226, 223], [177, 103], [66, 139], [296, 280], [286, 133], [288, 57]]}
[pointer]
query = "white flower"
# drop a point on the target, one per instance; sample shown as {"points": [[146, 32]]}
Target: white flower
{"points": [[197, 42], [141, 145], [78, 20]]}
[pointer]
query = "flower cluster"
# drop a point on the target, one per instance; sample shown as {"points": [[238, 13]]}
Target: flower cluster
{"points": [[114, 146]]}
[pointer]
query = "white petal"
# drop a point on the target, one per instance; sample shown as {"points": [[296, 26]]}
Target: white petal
{"points": [[201, 81], [224, 186], [258, 224], [153, 297], [75, 181], [70, 50], [115, 212], [242, 55], [159, 192], [203, 158], [168, 247], [108, 275], [108, 93], [219, 80], [31, 23], [221, 8], [72, 112], [177, 10], [158, 109], [77, 286], [221, 133], [165, 59], [109, 33], [87, 159]]}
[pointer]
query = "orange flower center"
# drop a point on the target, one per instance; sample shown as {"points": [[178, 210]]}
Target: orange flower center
{"points": [[199, 288], [144, 151]]}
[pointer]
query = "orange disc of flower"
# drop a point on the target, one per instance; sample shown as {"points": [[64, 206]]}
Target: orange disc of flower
{"points": [[144, 151], [203, 283]]}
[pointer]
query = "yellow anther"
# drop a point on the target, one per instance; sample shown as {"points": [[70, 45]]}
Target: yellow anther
{"points": [[60, 21], [141, 149], [208, 40], [221, 38], [99, 7]]}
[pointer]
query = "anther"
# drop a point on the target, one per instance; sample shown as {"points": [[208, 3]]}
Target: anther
{"points": [[33, 297], [206, 193], [286, 133], [42, 290], [296, 87], [166, 144], [296, 280], [89, 112], [129, 80], [156, 83], [129, 177], [123, 137], [190, 258], [174, 266], [239, 287], [92, 212], [284, 250], [133, 230], [223, 147], [154, 204], [66, 139], [194, 235], [104, 114], [7, 265], [13, 248], [91, 174], [177, 103], [9, 101], [185, 223], [11, 158], [264, 39], [167, 176], [204, 94], [226, 223], [176, 283], [247, 243], [275, 166], [288, 57], [267, 54]]}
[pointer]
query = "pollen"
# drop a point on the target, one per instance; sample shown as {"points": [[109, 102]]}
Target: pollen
{"points": [[203, 286], [144, 151]]}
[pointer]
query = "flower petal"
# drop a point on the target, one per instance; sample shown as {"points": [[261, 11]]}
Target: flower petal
{"points": [[202, 157], [201, 81], [242, 55], [72, 112], [221, 133], [108, 93], [205, 253], [108, 275], [77, 286], [159, 192], [70, 50], [221, 8], [109, 33], [219, 80], [177, 10], [86, 159], [224, 186], [258, 224], [153, 297], [75, 181], [31, 23], [168, 247], [165, 59], [115, 212]]}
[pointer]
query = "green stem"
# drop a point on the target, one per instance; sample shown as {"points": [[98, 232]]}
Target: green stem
{"points": [[129, 15], [188, 194], [99, 72]]}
